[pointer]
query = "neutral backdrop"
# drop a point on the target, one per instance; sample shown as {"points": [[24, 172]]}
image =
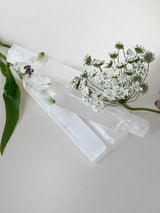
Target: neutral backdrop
{"points": [[42, 171]]}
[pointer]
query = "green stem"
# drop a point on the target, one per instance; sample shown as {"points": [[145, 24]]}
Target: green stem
{"points": [[92, 88], [100, 69], [146, 73], [94, 85], [17, 71], [113, 68], [118, 57], [3, 56], [133, 95], [5, 45], [124, 53], [140, 108]]}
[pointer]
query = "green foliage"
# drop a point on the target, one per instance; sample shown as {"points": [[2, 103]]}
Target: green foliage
{"points": [[42, 57], [139, 49], [76, 82], [19, 73], [121, 65], [4, 45], [84, 74], [113, 55], [97, 63], [11, 98], [149, 57], [144, 87], [109, 64], [137, 78], [129, 72], [88, 60], [119, 45]]}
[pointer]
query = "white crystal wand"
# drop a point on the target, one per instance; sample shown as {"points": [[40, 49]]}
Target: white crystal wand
{"points": [[97, 133]]}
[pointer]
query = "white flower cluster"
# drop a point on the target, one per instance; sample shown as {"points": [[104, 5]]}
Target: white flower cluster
{"points": [[119, 81]]}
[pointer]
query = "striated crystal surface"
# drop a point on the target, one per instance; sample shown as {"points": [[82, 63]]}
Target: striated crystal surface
{"points": [[94, 133]]}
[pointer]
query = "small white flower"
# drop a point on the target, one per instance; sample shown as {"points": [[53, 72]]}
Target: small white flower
{"points": [[36, 83], [121, 92], [109, 84], [97, 102], [122, 79], [85, 91], [136, 87]]}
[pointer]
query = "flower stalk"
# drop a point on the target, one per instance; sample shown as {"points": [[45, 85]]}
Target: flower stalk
{"points": [[139, 108], [119, 81]]}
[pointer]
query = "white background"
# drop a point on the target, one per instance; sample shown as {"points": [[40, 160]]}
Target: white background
{"points": [[42, 171]]}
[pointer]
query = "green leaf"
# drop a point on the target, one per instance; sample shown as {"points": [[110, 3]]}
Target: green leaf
{"points": [[20, 74], [11, 98], [5, 45], [3, 57], [88, 60]]}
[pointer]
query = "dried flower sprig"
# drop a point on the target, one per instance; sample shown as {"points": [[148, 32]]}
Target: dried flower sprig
{"points": [[117, 82]]}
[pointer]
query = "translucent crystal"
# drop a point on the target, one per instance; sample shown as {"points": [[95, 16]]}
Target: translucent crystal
{"points": [[95, 133], [18, 54]]}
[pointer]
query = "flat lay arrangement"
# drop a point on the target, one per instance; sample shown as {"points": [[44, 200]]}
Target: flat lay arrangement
{"points": [[79, 106], [90, 106]]}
